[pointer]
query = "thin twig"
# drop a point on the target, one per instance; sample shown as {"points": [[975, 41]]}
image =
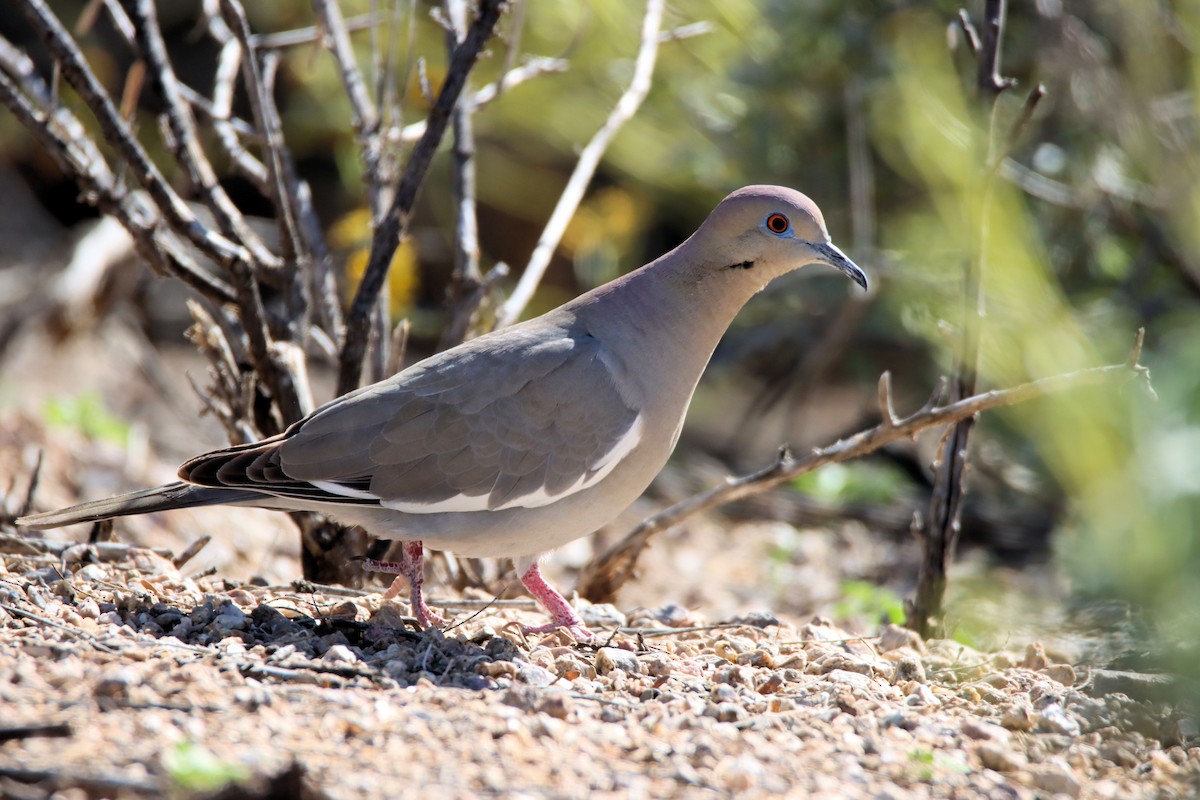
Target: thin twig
{"points": [[989, 79], [36, 730], [605, 576], [266, 118], [466, 278], [968, 29], [34, 476], [391, 229], [518, 75], [49, 623], [278, 380], [280, 40], [229, 64], [364, 116], [399, 347], [69, 59], [318, 264], [466, 311], [191, 551], [184, 142], [585, 168], [99, 784], [36, 107]]}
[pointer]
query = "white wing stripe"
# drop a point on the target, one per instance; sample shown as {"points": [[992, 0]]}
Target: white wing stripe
{"points": [[600, 470], [344, 491]]}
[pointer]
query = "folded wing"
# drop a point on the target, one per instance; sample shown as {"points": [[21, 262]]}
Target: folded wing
{"points": [[520, 422]]}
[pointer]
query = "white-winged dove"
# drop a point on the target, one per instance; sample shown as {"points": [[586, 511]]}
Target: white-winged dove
{"points": [[523, 439]]}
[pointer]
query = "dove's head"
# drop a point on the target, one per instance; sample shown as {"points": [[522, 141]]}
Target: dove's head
{"points": [[765, 231]]}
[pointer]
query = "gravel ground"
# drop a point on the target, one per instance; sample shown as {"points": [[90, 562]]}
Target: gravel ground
{"points": [[126, 678]]}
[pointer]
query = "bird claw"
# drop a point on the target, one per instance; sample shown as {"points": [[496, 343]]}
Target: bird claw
{"points": [[428, 618], [575, 629]]}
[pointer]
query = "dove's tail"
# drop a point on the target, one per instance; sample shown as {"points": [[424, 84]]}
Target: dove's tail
{"points": [[162, 498]]}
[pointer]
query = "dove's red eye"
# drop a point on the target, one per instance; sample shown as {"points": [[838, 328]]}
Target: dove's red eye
{"points": [[778, 223]]}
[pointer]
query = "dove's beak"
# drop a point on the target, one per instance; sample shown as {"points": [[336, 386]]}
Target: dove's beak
{"points": [[831, 255]]}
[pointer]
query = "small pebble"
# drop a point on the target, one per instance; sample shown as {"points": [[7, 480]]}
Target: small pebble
{"points": [[1018, 717], [1055, 719], [893, 637], [725, 712], [556, 704], [602, 616], [922, 696], [1035, 657], [656, 666], [1000, 758], [1056, 780], [982, 730], [907, 669], [340, 654], [534, 675], [612, 658], [1061, 673]]}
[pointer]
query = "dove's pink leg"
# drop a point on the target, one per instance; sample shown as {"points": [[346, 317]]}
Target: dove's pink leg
{"points": [[411, 568], [563, 614]]}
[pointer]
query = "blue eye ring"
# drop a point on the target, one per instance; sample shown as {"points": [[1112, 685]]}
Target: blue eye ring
{"points": [[777, 223]]}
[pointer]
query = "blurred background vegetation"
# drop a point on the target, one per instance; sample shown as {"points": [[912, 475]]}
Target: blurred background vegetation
{"points": [[868, 106]]}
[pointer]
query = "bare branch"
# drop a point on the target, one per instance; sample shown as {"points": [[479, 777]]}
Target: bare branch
{"points": [[34, 477], [394, 224], [990, 80], [940, 535], [468, 306], [585, 168], [302, 36], [689, 31], [266, 118], [364, 116], [606, 575], [277, 379], [183, 141], [69, 59], [318, 265], [887, 407], [67, 141], [229, 64], [968, 29], [466, 277], [514, 77], [399, 347], [229, 398]]}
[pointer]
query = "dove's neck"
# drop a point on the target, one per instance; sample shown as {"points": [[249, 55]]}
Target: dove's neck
{"points": [[668, 316]]}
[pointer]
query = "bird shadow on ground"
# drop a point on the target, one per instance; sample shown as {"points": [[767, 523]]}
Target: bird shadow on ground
{"points": [[267, 644]]}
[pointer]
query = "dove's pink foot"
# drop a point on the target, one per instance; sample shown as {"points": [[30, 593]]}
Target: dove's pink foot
{"points": [[564, 616], [410, 569]]}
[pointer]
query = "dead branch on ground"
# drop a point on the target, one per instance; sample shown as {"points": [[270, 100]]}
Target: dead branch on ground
{"points": [[602, 578]]}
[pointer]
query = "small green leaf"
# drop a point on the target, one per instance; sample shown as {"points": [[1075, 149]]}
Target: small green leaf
{"points": [[866, 599], [87, 414], [195, 768], [852, 483]]}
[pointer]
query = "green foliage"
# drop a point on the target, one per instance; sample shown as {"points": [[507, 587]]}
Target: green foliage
{"points": [[869, 600], [194, 768], [929, 764], [856, 482], [86, 414]]}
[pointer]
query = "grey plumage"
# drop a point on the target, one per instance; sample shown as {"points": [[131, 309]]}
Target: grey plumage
{"points": [[521, 440]]}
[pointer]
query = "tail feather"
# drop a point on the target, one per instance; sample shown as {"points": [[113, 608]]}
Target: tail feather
{"points": [[145, 501]]}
